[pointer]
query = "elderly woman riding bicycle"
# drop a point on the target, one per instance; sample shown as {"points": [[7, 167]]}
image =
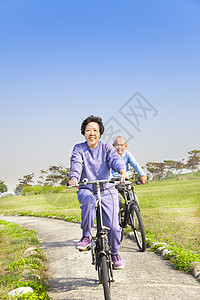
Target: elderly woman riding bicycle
{"points": [[94, 160]]}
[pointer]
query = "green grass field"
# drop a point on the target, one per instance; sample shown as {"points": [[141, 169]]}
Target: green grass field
{"points": [[18, 269], [171, 212], [170, 209]]}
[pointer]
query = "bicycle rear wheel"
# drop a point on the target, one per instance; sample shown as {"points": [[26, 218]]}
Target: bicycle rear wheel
{"points": [[138, 227], [121, 222], [105, 278]]}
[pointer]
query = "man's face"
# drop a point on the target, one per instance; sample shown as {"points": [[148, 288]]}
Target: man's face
{"points": [[120, 146]]}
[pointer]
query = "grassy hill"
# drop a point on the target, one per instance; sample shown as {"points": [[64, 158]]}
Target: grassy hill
{"points": [[170, 209]]}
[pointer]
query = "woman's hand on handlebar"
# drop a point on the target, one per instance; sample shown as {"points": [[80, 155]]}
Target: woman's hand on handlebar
{"points": [[73, 182], [123, 175]]}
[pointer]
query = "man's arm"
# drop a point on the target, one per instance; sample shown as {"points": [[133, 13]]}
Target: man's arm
{"points": [[132, 161]]}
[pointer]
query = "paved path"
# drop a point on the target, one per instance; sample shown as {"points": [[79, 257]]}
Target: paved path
{"points": [[72, 276]]}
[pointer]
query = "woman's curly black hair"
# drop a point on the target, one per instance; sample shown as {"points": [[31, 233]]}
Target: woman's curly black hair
{"points": [[92, 119]]}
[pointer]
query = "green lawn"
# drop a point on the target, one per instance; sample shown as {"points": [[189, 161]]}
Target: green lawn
{"points": [[16, 267], [64, 205], [171, 212], [170, 209]]}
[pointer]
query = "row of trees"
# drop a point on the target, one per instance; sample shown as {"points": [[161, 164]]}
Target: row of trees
{"points": [[3, 187], [58, 175], [156, 171], [160, 170], [55, 175]]}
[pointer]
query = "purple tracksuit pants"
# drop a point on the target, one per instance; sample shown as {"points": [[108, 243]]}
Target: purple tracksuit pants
{"points": [[110, 210]]}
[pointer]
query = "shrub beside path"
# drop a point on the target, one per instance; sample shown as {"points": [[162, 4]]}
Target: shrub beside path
{"points": [[72, 276]]}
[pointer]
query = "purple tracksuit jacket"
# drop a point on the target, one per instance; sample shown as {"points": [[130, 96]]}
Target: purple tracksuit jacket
{"points": [[96, 164]]}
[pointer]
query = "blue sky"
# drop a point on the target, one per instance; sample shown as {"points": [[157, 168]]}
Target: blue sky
{"points": [[61, 61]]}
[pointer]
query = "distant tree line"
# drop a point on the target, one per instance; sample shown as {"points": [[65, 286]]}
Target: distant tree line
{"points": [[54, 176], [168, 168], [3, 187], [58, 175]]}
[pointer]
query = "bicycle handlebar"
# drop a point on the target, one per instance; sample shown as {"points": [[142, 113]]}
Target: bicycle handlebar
{"points": [[127, 181], [86, 181], [112, 180]]}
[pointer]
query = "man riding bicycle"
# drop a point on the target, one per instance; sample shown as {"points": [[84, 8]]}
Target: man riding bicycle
{"points": [[120, 144]]}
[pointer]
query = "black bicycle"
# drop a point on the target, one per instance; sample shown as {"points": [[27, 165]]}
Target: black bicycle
{"points": [[100, 249], [129, 214]]}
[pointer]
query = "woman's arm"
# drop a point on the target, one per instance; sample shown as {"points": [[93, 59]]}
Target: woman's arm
{"points": [[76, 166], [123, 175]]}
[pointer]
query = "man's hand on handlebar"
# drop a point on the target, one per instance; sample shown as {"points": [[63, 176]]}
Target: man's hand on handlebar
{"points": [[143, 179]]}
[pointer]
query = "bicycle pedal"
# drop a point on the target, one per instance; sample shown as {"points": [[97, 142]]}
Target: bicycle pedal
{"points": [[87, 249]]}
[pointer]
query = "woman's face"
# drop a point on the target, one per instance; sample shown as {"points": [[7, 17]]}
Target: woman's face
{"points": [[92, 134]]}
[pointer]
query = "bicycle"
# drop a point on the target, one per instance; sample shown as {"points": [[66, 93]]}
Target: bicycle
{"points": [[100, 250], [129, 213]]}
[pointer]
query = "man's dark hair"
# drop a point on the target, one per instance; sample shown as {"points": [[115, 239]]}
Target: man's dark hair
{"points": [[92, 119]]}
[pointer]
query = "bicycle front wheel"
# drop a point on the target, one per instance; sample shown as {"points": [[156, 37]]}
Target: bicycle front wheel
{"points": [[105, 278], [138, 227]]}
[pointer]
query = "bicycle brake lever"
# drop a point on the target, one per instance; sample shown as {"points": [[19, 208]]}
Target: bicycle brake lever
{"points": [[104, 227], [85, 181]]}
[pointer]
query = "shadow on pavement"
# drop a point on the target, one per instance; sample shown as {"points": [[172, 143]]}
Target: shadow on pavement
{"points": [[61, 285], [57, 244]]}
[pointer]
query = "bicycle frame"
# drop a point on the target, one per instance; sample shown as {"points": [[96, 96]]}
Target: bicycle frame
{"points": [[101, 240], [130, 213], [129, 196], [101, 253]]}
